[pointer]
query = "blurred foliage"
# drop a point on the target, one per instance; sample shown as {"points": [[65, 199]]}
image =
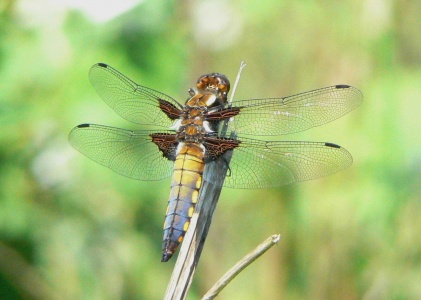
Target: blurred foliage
{"points": [[71, 229]]}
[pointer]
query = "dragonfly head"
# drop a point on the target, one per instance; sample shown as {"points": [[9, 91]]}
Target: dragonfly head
{"points": [[216, 84]]}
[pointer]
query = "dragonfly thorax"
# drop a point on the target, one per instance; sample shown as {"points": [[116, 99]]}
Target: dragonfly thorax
{"points": [[192, 126]]}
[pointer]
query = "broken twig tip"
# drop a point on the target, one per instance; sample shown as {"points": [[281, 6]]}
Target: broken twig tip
{"points": [[276, 238]]}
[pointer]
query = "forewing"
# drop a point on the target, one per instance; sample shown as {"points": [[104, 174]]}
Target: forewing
{"points": [[276, 116], [136, 103], [129, 153], [260, 164]]}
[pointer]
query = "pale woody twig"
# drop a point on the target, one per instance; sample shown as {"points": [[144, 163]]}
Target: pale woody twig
{"points": [[241, 265], [242, 65]]}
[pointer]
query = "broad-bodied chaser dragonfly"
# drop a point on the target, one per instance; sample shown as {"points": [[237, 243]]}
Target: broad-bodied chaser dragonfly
{"points": [[194, 139]]}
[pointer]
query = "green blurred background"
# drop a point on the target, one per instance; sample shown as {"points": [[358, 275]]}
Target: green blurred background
{"points": [[72, 229]]}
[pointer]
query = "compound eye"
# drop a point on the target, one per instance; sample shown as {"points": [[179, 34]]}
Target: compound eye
{"points": [[202, 82]]}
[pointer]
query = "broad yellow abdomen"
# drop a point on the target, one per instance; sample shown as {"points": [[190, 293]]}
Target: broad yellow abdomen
{"points": [[185, 186]]}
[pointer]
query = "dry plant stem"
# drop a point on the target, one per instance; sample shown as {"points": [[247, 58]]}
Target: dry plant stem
{"points": [[237, 80], [191, 248], [241, 265]]}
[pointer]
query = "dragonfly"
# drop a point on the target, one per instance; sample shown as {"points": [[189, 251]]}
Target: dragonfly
{"points": [[189, 135]]}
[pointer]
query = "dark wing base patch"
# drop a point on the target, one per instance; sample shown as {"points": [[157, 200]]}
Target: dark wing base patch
{"points": [[167, 144], [215, 147]]}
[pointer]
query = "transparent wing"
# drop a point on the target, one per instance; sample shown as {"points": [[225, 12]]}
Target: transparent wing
{"points": [[135, 103], [276, 116], [260, 164], [129, 153]]}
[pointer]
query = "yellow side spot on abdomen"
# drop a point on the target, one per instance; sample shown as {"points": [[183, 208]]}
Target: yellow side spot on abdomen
{"points": [[199, 182], [165, 224], [194, 196], [190, 211], [186, 226], [180, 239]]}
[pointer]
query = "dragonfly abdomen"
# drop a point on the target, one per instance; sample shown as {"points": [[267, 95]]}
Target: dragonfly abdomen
{"points": [[185, 186]]}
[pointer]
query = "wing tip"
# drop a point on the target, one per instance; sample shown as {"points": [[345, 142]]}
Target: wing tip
{"points": [[358, 94], [346, 156]]}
